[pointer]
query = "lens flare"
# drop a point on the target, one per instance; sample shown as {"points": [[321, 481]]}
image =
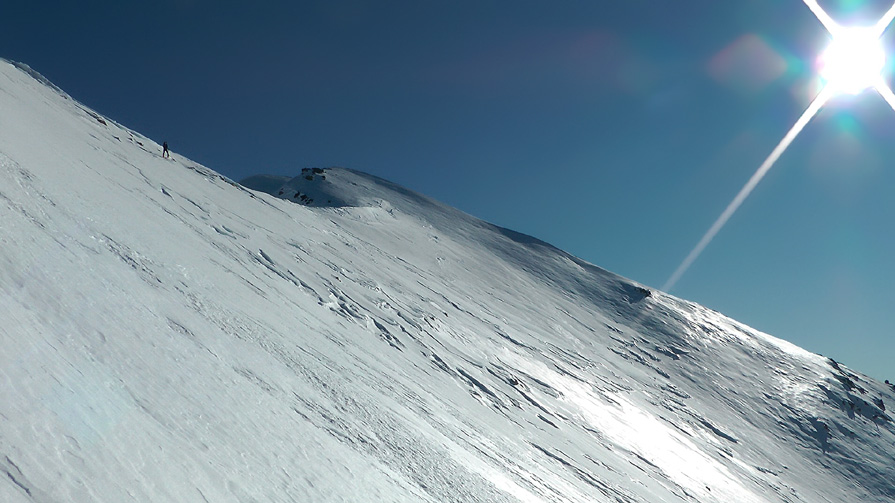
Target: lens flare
{"points": [[885, 21], [853, 62], [822, 16], [734, 205], [886, 93]]}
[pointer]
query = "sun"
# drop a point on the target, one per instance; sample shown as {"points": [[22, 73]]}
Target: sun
{"points": [[854, 60]]}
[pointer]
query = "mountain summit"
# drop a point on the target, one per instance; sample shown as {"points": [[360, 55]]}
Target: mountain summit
{"points": [[171, 335]]}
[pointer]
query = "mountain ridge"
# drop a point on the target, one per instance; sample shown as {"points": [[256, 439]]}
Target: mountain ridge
{"points": [[171, 335]]}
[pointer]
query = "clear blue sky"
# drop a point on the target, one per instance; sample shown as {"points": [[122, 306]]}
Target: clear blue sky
{"points": [[615, 130]]}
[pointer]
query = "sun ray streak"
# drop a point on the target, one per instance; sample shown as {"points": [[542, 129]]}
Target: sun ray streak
{"points": [[885, 21], [822, 16], [781, 147], [883, 89]]}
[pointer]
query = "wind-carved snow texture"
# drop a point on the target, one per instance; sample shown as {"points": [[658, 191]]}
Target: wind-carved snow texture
{"points": [[169, 335]]}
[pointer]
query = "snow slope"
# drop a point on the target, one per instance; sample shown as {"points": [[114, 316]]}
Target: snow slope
{"points": [[169, 335]]}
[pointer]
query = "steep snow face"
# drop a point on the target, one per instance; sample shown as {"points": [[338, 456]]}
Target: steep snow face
{"points": [[265, 183], [169, 335]]}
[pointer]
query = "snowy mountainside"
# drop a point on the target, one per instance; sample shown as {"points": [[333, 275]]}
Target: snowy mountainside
{"points": [[265, 183], [169, 335]]}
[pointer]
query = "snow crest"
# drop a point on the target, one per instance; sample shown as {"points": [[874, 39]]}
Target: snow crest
{"points": [[170, 335]]}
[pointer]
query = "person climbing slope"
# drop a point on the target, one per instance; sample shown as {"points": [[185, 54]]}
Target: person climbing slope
{"points": [[165, 153]]}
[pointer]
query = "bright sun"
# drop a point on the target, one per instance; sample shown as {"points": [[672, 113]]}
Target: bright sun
{"points": [[854, 60]]}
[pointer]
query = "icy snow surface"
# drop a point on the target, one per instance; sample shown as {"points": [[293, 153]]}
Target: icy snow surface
{"points": [[170, 335]]}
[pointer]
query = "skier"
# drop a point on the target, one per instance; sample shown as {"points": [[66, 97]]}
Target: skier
{"points": [[165, 153]]}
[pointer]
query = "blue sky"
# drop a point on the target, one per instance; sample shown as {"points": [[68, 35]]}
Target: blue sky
{"points": [[615, 130]]}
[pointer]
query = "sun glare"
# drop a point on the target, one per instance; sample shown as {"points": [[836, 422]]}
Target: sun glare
{"points": [[854, 60]]}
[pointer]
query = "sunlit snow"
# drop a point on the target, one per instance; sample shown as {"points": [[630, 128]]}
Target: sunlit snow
{"points": [[167, 334]]}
